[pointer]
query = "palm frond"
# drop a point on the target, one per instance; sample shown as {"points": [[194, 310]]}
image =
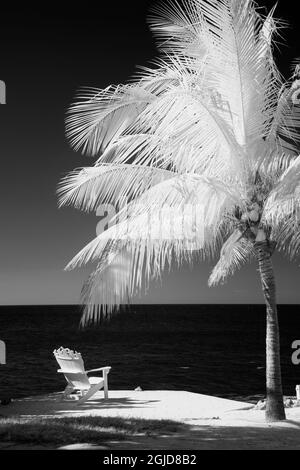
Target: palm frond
{"points": [[272, 164], [189, 133], [284, 199], [286, 233], [181, 125], [126, 268], [285, 128], [106, 289], [161, 230], [178, 28], [86, 188], [209, 199], [101, 116], [231, 44], [236, 251]]}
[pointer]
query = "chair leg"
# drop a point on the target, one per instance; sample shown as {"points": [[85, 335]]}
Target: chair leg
{"points": [[90, 393], [67, 391], [105, 386]]}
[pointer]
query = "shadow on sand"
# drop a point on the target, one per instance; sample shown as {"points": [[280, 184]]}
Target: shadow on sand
{"points": [[206, 433], [54, 404]]}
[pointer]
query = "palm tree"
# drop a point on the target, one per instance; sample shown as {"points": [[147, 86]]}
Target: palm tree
{"points": [[212, 126]]}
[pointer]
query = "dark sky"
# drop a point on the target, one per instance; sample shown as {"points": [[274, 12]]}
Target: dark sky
{"points": [[46, 55]]}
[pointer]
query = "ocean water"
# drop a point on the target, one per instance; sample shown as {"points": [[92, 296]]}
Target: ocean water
{"points": [[209, 349]]}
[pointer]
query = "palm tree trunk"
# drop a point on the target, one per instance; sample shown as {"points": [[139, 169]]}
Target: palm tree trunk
{"points": [[274, 406]]}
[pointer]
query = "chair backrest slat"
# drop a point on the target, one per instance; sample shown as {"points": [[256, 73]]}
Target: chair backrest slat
{"points": [[72, 366]]}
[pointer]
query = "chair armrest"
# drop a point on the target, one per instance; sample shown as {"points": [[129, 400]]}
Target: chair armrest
{"points": [[103, 369], [68, 373]]}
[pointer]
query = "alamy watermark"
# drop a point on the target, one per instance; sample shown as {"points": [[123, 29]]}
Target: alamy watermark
{"points": [[131, 222], [2, 92], [296, 353]]}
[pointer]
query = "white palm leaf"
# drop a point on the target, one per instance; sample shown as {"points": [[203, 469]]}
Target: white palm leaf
{"points": [[86, 188], [148, 248], [236, 67], [285, 127], [158, 80], [238, 85], [181, 128], [272, 163], [287, 236], [209, 199], [107, 288], [125, 268], [190, 134], [284, 200], [101, 116], [114, 283], [177, 29], [236, 251], [152, 242]]}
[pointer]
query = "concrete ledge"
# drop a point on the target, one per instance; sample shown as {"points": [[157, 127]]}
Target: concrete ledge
{"points": [[150, 404]]}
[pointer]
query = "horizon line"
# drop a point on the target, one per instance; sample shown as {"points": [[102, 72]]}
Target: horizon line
{"points": [[142, 305]]}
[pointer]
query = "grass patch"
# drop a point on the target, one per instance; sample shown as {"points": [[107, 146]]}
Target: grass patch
{"points": [[92, 429]]}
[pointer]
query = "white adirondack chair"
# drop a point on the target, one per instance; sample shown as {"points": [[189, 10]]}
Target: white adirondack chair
{"points": [[72, 366]]}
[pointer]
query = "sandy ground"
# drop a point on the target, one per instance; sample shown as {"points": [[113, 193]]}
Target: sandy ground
{"points": [[210, 422]]}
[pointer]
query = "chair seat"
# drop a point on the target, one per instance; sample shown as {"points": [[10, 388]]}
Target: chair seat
{"points": [[92, 381], [95, 380]]}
